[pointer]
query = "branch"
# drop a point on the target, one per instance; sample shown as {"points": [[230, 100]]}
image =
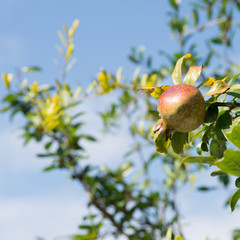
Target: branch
{"points": [[202, 27]]}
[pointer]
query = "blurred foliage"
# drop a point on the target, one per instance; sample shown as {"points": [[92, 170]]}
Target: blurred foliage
{"points": [[128, 201]]}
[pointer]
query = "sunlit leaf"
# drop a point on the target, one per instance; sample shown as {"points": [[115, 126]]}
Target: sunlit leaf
{"points": [[7, 78], [69, 51], [24, 83], [103, 80], [155, 92], [176, 75], [235, 93], [169, 234], [192, 75], [119, 75], [178, 237], [218, 87], [77, 92], [60, 50], [233, 79], [234, 87], [73, 28], [199, 159], [230, 163], [28, 69], [34, 88], [209, 81], [162, 144], [233, 135], [234, 199], [62, 38]]}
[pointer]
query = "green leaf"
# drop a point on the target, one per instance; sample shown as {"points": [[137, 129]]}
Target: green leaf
{"points": [[169, 234], [28, 69], [223, 122], [233, 135], [199, 159], [195, 17], [178, 237], [234, 199], [217, 172], [218, 87], [234, 87], [237, 182], [211, 113], [176, 75], [178, 141], [205, 188], [233, 79], [162, 144], [192, 75], [230, 163], [217, 148], [234, 93], [125, 169]]}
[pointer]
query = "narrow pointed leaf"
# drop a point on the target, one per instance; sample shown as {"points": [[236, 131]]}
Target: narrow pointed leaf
{"points": [[176, 75], [234, 199], [28, 69], [199, 159], [234, 87], [233, 79], [217, 172], [192, 75], [218, 87]]}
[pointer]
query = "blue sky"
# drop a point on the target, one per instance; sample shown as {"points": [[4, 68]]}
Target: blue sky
{"points": [[34, 203]]}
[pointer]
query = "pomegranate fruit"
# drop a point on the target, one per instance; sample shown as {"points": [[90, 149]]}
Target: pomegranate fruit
{"points": [[182, 108]]}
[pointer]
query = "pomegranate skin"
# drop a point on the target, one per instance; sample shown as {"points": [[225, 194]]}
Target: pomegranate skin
{"points": [[182, 107]]}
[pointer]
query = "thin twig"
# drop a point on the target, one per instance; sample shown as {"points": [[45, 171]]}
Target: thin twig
{"points": [[201, 27]]}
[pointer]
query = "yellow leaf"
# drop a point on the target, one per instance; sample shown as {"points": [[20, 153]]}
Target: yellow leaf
{"points": [[7, 78], [158, 91], [34, 88], [73, 28], [144, 79], [24, 83], [103, 80], [135, 77], [209, 81], [119, 75], [77, 92], [91, 86], [69, 51], [176, 75], [192, 75], [155, 92], [151, 80]]}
